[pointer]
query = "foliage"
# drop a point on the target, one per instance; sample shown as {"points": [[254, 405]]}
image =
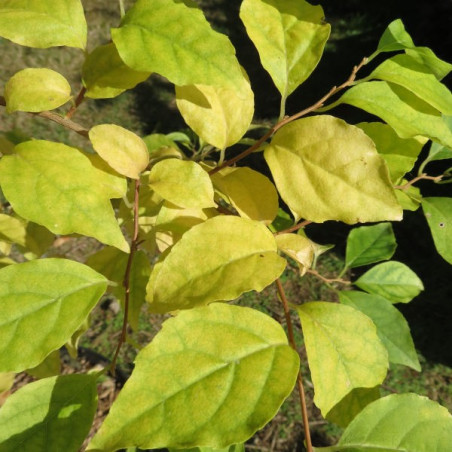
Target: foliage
{"points": [[184, 231]]}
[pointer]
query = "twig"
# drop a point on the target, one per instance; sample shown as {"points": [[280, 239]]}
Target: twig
{"points": [[327, 280], [422, 176], [71, 125], [304, 409], [79, 99], [294, 228], [288, 119], [126, 281]]}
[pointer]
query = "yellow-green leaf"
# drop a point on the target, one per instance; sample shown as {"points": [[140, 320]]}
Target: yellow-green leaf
{"points": [[344, 351], [123, 150], [250, 192], [105, 75], [196, 382], [395, 37], [427, 57], [240, 253], [289, 35], [326, 169], [56, 186], [297, 247], [35, 90], [42, 23], [38, 316], [12, 230], [50, 367], [183, 183]]}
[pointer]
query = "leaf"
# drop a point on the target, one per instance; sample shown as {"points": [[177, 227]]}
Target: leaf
{"points": [[56, 186], [105, 75], [43, 24], [400, 154], [38, 240], [395, 37], [437, 151], [297, 247], [251, 193], [392, 328], [404, 70], [35, 90], [438, 212], [238, 252], [408, 115], [391, 280], [398, 423], [426, 56], [220, 116], [49, 415], [289, 35], [12, 230], [185, 49], [123, 150], [344, 351], [50, 367], [182, 182], [370, 244], [326, 169], [39, 317], [233, 448], [409, 199], [196, 382]]}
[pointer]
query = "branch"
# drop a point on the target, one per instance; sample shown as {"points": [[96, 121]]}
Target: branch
{"points": [[304, 409], [422, 176], [79, 99], [71, 125], [288, 119], [328, 280], [294, 228]]}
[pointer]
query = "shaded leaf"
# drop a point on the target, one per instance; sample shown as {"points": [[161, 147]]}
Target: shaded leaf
{"points": [[39, 317], [238, 252], [196, 382], [344, 351], [409, 199], [326, 169], [49, 415], [50, 367], [426, 56], [391, 280]]}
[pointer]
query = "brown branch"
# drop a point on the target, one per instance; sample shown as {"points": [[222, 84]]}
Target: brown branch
{"points": [[126, 281], [422, 176], [79, 99], [288, 119], [294, 228], [327, 280], [304, 409], [71, 125]]}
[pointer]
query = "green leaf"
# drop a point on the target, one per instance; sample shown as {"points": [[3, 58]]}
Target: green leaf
{"points": [[36, 90], [391, 280], [251, 193], [398, 423], [43, 24], [38, 240], [183, 183], [438, 212], [211, 111], [392, 328], [427, 57], [185, 49], [409, 199], [344, 351], [299, 248], [233, 448], [437, 151], [289, 35], [400, 154], [6, 381], [196, 382], [395, 37], [370, 244], [49, 415], [326, 169], [56, 186], [50, 367], [39, 317], [239, 252], [105, 75], [408, 115], [404, 70], [12, 230], [123, 150]]}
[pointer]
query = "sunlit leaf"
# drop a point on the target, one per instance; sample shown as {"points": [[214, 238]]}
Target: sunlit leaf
{"points": [[36, 89], [370, 244], [196, 383], [391, 280], [123, 150], [438, 212], [6, 383], [326, 169], [297, 247], [236, 251], [105, 75], [50, 367], [49, 415], [183, 183], [395, 37], [289, 35], [426, 56], [43, 23], [39, 317], [250, 192], [344, 351], [392, 328], [12, 230], [56, 186]]}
